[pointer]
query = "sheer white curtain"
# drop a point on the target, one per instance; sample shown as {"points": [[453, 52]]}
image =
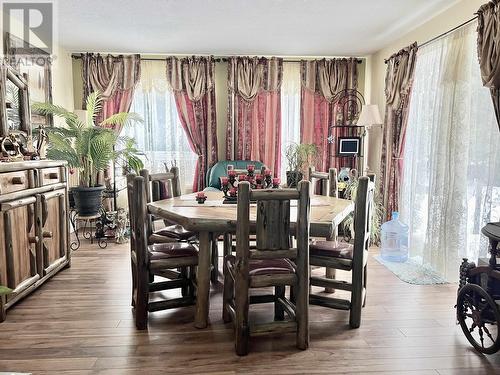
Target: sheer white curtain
{"points": [[161, 137], [451, 181], [290, 110]]}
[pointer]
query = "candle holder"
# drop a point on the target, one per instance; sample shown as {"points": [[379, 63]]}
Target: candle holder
{"points": [[229, 184], [201, 197]]}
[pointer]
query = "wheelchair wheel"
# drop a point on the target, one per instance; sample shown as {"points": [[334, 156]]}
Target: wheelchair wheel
{"points": [[479, 318]]}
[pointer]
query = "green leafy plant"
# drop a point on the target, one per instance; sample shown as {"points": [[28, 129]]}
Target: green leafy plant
{"points": [[378, 213], [87, 146], [4, 290], [300, 156]]}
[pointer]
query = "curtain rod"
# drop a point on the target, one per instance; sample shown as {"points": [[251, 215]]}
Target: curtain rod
{"points": [[443, 34], [216, 59]]}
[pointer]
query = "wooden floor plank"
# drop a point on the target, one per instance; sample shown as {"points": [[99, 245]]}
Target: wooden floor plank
{"points": [[81, 322]]}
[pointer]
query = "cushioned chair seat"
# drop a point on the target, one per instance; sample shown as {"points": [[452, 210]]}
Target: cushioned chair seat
{"points": [[267, 266], [331, 249], [175, 231], [171, 250]]}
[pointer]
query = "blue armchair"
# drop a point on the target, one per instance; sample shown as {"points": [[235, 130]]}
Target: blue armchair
{"points": [[219, 169]]}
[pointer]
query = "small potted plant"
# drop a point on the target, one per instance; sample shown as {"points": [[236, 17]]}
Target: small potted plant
{"points": [[378, 213], [299, 157], [89, 148]]}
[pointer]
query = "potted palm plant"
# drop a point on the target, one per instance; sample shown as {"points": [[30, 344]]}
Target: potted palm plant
{"points": [[299, 157], [89, 148]]}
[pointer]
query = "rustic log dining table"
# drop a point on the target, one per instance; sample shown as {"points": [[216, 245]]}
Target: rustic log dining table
{"points": [[214, 216]]}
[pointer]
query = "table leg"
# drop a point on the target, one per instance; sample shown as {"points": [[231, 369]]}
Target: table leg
{"points": [[331, 272], [203, 281]]}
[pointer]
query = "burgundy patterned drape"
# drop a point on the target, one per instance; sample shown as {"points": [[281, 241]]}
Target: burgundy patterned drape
{"points": [[254, 115], [398, 84], [322, 81], [192, 80], [115, 77], [488, 50]]}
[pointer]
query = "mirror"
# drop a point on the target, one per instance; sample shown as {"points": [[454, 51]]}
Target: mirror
{"points": [[13, 105]]}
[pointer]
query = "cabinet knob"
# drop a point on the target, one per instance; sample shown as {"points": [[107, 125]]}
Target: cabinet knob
{"points": [[47, 234], [17, 180], [33, 239]]}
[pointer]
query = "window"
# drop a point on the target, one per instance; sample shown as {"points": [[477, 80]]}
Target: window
{"points": [[161, 136], [290, 110], [451, 178]]}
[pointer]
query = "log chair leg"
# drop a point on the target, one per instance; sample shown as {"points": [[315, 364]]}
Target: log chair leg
{"points": [[134, 282], [279, 312], [330, 273], [356, 297], [141, 308], [293, 294], [365, 272], [185, 276], [192, 279], [203, 281], [228, 242], [241, 324], [214, 276], [228, 293]]}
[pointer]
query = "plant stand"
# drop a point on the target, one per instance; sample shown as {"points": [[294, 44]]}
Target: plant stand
{"points": [[74, 218]]}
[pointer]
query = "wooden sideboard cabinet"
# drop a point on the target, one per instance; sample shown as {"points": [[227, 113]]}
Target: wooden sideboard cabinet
{"points": [[34, 226]]}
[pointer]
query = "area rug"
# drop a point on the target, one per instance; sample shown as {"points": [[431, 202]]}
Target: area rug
{"points": [[412, 271]]}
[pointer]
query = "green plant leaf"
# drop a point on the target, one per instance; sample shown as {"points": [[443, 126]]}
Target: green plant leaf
{"points": [[94, 106], [4, 290], [123, 118]]}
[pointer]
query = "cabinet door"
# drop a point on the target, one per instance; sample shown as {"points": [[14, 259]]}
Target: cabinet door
{"points": [[18, 239], [54, 229]]}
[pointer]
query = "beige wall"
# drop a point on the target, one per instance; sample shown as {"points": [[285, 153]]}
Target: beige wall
{"points": [[62, 80], [454, 16]]}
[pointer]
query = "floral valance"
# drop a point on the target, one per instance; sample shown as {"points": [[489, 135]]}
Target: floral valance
{"points": [[109, 74], [327, 77], [399, 76], [193, 75], [247, 76]]}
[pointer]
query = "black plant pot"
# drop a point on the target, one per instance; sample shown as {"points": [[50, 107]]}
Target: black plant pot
{"points": [[293, 178], [88, 200]]}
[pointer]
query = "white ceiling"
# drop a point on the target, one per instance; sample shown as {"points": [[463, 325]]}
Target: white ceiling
{"points": [[253, 27]]}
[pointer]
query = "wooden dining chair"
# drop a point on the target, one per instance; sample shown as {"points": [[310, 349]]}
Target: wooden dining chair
{"points": [[272, 263], [161, 185], [328, 186], [343, 256], [156, 259], [328, 181]]}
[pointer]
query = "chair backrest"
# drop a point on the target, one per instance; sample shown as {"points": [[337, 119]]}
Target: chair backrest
{"points": [[363, 216], [328, 181], [273, 223], [136, 194], [162, 185]]}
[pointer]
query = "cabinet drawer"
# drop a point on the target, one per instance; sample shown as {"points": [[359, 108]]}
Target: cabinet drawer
{"points": [[50, 176], [11, 182]]}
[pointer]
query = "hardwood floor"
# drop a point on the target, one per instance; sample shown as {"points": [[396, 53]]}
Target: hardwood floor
{"points": [[81, 322]]}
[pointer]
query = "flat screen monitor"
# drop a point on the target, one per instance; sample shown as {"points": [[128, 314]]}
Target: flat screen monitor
{"points": [[349, 145]]}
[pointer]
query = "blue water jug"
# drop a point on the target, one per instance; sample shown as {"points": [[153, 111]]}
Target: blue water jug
{"points": [[394, 240]]}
